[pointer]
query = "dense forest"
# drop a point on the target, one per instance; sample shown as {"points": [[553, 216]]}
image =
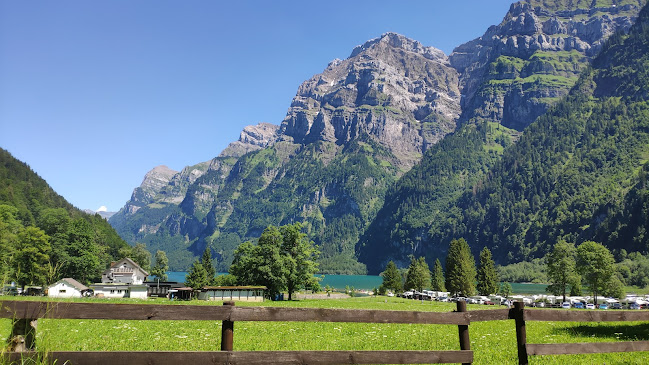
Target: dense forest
{"points": [[43, 237], [577, 173]]}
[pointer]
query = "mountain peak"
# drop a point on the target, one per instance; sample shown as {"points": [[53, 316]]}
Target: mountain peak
{"points": [[396, 40]]}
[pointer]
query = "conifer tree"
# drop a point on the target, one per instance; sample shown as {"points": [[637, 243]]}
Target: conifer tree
{"points": [[161, 266], [197, 276], [460, 269], [438, 277], [206, 261], [392, 278], [418, 276], [487, 275]]}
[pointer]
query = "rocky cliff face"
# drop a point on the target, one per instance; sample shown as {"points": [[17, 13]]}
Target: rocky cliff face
{"points": [[518, 68], [395, 90]]}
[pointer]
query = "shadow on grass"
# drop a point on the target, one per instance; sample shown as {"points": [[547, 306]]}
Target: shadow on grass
{"points": [[624, 332]]}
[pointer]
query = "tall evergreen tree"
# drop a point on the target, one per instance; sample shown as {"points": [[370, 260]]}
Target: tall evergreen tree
{"points": [[418, 276], [206, 261], [562, 271], [161, 266], [460, 269], [437, 282], [596, 265], [392, 278], [197, 276], [487, 275]]}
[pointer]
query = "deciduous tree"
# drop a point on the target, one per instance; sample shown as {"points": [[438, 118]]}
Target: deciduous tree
{"points": [[595, 264], [562, 271]]}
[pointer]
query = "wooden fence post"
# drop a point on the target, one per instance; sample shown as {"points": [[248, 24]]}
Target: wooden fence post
{"points": [[521, 334], [227, 332], [465, 341]]}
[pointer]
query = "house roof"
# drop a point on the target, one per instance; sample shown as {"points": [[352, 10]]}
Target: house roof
{"points": [[128, 260], [73, 283]]}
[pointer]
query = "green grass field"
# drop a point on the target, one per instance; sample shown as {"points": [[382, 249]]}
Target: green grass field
{"points": [[492, 342]]}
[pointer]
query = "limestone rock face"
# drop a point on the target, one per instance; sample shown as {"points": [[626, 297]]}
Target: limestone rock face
{"points": [[252, 138], [518, 68], [393, 89], [153, 182]]}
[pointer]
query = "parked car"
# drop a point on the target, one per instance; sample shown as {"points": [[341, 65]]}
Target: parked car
{"points": [[603, 306], [579, 305], [590, 306], [565, 305], [616, 306], [489, 302], [634, 306]]}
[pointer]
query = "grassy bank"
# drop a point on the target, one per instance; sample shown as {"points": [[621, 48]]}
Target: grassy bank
{"points": [[492, 342]]}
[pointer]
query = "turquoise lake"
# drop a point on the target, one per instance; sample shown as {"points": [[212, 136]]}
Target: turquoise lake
{"points": [[369, 282]]}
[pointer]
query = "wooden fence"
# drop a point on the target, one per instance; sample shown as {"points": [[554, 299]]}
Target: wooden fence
{"points": [[26, 313], [520, 315]]}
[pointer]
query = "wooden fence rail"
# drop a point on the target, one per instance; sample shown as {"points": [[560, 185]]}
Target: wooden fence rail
{"points": [[26, 313], [525, 349]]}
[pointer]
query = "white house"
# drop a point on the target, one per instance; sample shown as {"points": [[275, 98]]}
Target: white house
{"points": [[67, 288], [124, 271], [123, 279]]}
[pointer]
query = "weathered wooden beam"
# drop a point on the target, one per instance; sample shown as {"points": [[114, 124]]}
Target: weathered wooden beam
{"points": [[586, 348], [463, 331], [489, 315], [251, 357], [67, 310], [519, 314], [563, 315], [346, 315], [227, 332]]}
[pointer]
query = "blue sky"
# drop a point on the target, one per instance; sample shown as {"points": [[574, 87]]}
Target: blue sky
{"points": [[93, 94]]}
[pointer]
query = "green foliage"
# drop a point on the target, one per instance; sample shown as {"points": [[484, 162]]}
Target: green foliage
{"points": [[533, 271], [197, 276], [437, 281], [77, 244], [225, 280], [487, 275], [140, 255], [418, 275], [505, 289], [161, 266], [31, 257], [299, 258], [562, 271], [206, 261], [595, 264], [392, 279], [460, 269]]}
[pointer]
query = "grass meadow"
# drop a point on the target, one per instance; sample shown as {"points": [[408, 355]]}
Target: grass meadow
{"points": [[492, 342]]}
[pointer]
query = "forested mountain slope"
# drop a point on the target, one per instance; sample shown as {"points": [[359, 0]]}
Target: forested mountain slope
{"points": [[508, 77], [77, 244], [578, 173]]}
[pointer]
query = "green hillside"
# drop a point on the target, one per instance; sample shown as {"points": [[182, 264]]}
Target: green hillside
{"points": [[43, 237], [578, 173]]}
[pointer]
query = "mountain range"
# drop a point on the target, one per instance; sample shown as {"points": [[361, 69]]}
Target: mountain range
{"points": [[400, 148]]}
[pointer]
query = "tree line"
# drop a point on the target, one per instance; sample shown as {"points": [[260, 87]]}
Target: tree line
{"points": [[569, 268]]}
